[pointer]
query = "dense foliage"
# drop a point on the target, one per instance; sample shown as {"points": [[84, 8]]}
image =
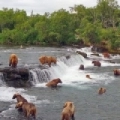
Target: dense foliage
{"points": [[95, 25]]}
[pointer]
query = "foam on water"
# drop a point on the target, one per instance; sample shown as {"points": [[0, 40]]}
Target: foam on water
{"points": [[116, 56], [41, 102], [109, 64], [11, 112], [86, 50], [68, 71], [8, 92], [41, 85]]}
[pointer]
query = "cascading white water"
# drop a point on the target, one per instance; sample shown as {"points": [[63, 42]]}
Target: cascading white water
{"points": [[2, 83], [67, 69], [38, 75], [56, 71]]}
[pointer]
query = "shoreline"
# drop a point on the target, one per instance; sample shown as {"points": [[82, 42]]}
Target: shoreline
{"points": [[96, 48]]}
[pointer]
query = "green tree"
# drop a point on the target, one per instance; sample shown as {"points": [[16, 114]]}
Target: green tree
{"points": [[106, 11]]}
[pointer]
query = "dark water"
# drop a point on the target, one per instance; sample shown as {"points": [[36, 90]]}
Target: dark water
{"points": [[49, 102]]}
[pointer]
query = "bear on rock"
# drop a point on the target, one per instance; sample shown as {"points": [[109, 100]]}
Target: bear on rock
{"points": [[47, 59], [13, 60]]}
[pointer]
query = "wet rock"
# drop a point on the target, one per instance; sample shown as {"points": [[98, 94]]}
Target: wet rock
{"points": [[82, 53], [18, 77], [110, 61], [100, 49], [81, 67], [15, 76], [68, 57], [96, 54]]}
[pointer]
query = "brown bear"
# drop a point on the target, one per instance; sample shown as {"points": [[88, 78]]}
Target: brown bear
{"points": [[96, 63], [51, 60], [88, 76], [106, 55], [13, 60], [28, 109], [116, 72], [68, 111], [43, 59], [48, 60], [54, 82], [19, 98], [101, 91]]}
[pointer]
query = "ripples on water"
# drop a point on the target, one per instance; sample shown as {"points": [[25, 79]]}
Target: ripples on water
{"points": [[75, 87]]}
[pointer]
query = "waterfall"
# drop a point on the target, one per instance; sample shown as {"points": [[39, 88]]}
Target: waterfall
{"points": [[66, 69], [42, 75], [38, 75], [2, 83]]}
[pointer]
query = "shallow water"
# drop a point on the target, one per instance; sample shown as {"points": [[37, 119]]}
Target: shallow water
{"points": [[75, 87]]}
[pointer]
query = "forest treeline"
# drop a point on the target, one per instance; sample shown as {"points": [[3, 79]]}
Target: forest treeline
{"points": [[94, 25]]}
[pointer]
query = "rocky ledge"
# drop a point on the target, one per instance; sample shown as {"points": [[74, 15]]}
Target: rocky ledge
{"points": [[18, 77], [102, 49]]}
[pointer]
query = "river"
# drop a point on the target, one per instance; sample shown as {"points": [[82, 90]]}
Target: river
{"points": [[75, 87]]}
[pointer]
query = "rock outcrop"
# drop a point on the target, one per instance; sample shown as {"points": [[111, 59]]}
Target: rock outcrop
{"points": [[18, 77], [82, 53], [99, 49]]}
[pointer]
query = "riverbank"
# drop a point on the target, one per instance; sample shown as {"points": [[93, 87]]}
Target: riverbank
{"points": [[94, 48]]}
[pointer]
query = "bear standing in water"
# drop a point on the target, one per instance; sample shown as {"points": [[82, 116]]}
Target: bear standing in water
{"points": [[68, 111], [13, 60]]}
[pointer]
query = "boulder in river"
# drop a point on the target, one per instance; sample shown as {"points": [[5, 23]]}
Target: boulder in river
{"points": [[19, 76], [82, 53]]}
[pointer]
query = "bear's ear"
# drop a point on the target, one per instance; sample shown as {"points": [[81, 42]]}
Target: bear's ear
{"points": [[101, 88], [64, 105], [71, 104]]}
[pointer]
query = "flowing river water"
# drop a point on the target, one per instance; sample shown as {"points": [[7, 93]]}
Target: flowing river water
{"points": [[75, 87]]}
